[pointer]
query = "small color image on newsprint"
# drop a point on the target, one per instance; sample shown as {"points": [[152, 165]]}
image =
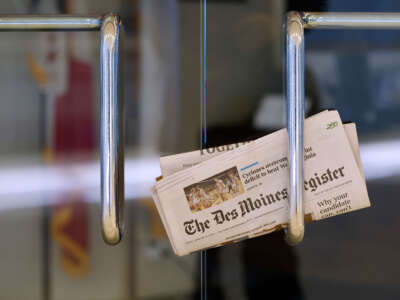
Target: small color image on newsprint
{"points": [[214, 190]]}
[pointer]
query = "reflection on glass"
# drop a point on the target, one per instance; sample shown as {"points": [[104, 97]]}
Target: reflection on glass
{"points": [[49, 163]]}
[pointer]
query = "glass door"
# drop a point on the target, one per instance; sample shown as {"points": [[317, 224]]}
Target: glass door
{"points": [[50, 212], [353, 71], [195, 74]]}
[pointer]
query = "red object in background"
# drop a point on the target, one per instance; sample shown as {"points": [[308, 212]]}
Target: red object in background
{"points": [[74, 135], [74, 121]]}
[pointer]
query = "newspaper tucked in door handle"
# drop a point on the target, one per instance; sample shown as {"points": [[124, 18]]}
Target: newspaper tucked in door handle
{"points": [[209, 198]]}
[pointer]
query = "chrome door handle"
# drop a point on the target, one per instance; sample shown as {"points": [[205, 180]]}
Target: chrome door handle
{"points": [[111, 137], [295, 118], [296, 22], [111, 112]]}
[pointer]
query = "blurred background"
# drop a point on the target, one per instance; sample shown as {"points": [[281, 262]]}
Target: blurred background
{"points": [[51, 246]]}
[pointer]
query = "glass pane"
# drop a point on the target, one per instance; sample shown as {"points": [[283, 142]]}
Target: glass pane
{"points": [[49, 159], [353, 255], [49, 164]]}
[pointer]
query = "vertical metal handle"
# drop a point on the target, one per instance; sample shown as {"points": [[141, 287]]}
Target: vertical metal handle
{"points": [[295, 118], [111, 137], [111, 119], [295, 24]]}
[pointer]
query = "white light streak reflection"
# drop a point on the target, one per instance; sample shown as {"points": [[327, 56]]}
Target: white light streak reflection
{"points": [[37, 184]]}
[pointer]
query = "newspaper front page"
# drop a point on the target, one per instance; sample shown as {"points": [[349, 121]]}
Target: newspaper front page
{"points": [[208, 200]]}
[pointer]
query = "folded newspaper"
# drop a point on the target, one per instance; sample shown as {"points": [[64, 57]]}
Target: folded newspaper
{"points": [[211, 197]]}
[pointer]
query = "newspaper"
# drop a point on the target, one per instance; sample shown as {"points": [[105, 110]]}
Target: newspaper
{"points": [[218, 195]]}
